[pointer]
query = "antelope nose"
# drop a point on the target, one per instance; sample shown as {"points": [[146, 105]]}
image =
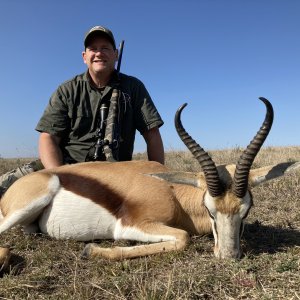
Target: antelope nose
{"points": [[235, 254]]}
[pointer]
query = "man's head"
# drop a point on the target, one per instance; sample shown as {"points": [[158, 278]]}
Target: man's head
{"points": [[100, 53], [101, 32]]}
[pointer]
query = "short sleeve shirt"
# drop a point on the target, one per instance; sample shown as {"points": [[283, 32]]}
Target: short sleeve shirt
{"points": [[73, 111]]}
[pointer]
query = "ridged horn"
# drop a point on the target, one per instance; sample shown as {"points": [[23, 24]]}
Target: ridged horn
{"points": [[240, 180], [208, 166]]}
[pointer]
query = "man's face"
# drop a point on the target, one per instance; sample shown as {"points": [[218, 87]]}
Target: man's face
{"points": [[100, 56]]}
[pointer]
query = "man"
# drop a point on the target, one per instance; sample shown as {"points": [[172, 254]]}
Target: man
{"points": [[69, 127]]}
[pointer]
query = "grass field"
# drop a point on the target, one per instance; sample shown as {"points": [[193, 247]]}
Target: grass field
{"points": [[44, 268]]}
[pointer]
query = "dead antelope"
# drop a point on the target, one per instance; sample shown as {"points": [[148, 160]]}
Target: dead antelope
{"points": [[142, 201]]}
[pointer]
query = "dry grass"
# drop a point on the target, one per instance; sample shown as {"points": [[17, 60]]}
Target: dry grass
{"points": [[44, 268]]}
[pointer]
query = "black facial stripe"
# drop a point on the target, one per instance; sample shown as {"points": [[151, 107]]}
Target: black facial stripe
{"points": [[246, 214], [251, 204], [211, 216], [242, 229], [215, 227]]}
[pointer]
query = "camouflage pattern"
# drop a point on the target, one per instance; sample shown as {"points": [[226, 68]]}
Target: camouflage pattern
{"points": [[7, 179], [110, 149]]}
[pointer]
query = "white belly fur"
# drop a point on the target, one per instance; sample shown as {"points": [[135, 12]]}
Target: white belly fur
{"points": [[70, 216]]}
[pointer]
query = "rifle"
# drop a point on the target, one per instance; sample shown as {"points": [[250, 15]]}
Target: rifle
{"points": [[96, 151], [120, 56]]}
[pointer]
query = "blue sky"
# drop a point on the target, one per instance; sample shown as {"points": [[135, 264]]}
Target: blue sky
{"points": [[218, 56]]}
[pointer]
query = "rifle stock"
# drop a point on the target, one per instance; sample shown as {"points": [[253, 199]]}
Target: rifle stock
{"points": [[96, 151]]}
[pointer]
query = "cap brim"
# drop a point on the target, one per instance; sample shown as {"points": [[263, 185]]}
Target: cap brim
{"points": [[91, 34]]}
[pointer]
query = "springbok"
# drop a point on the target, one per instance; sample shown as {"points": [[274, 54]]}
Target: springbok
{"points": [[142, 201]]}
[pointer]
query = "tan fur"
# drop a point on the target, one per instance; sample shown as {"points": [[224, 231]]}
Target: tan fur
{"points": [[24, 191], [4, 258], [229, 204], [194, 218]]}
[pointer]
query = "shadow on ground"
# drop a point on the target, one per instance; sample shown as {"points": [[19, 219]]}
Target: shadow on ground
{"points": [[16, 265], [259, 238]]}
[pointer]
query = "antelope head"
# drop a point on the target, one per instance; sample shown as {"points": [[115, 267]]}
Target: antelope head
{"points": [[227, 198]]}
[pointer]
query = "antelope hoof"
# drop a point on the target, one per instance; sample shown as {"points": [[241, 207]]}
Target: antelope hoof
{"points": [[87, 251], [4, 258]]}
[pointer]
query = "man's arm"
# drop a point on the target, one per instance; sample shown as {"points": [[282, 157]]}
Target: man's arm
{"points": [[155, 147], [49, 151]]}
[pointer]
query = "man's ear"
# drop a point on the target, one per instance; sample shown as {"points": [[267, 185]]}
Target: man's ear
{"points": [[84, 56]]}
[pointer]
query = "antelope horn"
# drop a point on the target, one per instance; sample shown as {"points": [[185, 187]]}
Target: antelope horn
{"points": [[240, 180], [208, 166]]}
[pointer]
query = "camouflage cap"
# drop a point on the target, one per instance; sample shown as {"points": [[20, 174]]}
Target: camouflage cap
{"points": [[99, 30]]}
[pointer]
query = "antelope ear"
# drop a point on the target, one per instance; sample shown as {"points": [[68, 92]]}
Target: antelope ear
{"points": [[189, 178], [258, 176]]}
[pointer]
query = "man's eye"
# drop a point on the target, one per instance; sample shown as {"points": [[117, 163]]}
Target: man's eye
{"points": [[103, 49]]}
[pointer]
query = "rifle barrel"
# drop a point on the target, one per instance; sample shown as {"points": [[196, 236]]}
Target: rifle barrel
{"points": [[120, 56]]}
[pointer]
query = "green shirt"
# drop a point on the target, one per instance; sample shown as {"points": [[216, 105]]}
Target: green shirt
{"points": [[73, 110]]}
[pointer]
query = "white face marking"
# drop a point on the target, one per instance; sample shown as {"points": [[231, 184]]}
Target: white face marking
{"points": [[227, 228], [71, 216]]}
